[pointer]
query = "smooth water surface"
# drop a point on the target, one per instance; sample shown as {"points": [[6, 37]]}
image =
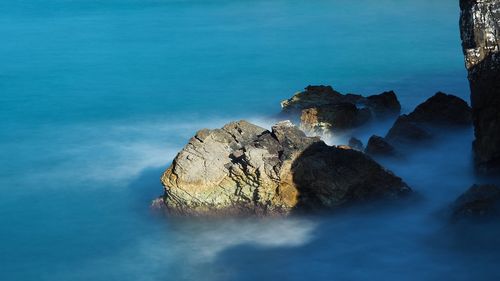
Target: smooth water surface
{"points": [[96, 97]]}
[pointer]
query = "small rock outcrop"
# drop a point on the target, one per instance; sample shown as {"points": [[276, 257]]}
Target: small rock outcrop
{"points": [[336, 117], [385, 105], [355, 143], [323, 110], [480, 33], [438, 112], [480, 201], [378, 146], [243, 169]]}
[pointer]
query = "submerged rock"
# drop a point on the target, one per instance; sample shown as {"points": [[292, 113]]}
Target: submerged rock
{"points": [[243, 169], [480, 201], [480, 33], [323, 110]]}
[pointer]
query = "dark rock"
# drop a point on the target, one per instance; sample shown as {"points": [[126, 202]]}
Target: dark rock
{"points": [[480, 33], [442, 110], [405, 131], [356, 144], [480, 201], [378, 146], [243, 169], [439, 112], [384, 105]]}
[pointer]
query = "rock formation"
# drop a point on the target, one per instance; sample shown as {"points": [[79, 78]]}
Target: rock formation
{"points": [[355, 143], [378, 146], [440, 111], [243, 169], [323, 110], [480, 33], [480, 201]]}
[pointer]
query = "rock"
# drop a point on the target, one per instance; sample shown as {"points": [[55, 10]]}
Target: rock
{"points": [[356, 144], [480, 33], [325, 110], [378, 146], [405, 131], [480, 201], [384, 105], [442, 110], [336, 117], [243, 169]]}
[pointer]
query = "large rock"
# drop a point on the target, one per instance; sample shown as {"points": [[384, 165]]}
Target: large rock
{"points": [[480, 201], [480, 33], [243, 169], [323, 110]]}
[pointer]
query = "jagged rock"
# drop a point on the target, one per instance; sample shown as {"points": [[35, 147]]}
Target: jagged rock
{"points": [[243, 169], [355, 143], [437, 112], [480, 201], [384, 105], [378, 146], [480, 33], [324, 110]]}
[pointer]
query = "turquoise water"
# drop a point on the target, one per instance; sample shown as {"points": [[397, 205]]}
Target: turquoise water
{"points": [[96, 97]]}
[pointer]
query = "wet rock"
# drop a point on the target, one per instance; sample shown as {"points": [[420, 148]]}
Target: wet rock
{"points": [[355, 143], [378, 146], [243, 169], [480, 201], [480, 33]]}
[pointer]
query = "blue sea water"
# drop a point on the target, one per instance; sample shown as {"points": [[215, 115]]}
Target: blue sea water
{"points": [[96, 97]]}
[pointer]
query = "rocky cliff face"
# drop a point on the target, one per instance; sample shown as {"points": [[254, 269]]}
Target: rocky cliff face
{"points": [[243, 169], [480, 33]]}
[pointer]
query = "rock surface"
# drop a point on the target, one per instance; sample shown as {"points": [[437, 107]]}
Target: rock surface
{"points": [[480, 201], [378, 146], [480, 33], [355, 143], [438, 112], [323, 110], [243, 169]]}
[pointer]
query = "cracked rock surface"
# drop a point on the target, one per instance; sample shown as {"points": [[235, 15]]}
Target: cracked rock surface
{"points": [[243, 169]]}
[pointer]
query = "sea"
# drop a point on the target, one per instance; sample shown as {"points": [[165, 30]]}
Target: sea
{"points": [[98, 96]]}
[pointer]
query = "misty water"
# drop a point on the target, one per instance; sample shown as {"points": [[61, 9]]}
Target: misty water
{"points": [[97, 97]]}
